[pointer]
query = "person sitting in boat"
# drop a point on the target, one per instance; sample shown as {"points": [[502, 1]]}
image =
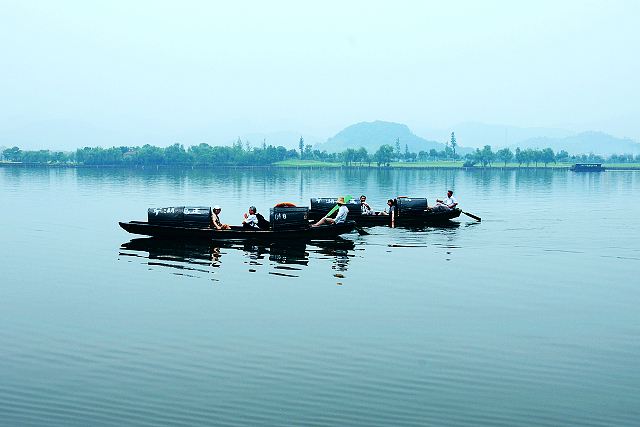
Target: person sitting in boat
{"points": [[390, 209], [450, 202], [365, 209], [340, 218], [215, 219], [255, 220], [250, 220]]}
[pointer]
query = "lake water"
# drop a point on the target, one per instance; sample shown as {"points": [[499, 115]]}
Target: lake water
{"points": [[527, 318]]}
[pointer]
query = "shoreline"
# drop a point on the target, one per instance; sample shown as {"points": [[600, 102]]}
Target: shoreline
{"points": [[318, 165]]}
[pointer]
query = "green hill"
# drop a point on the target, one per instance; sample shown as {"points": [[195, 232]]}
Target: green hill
{"points": [[371, 135]]}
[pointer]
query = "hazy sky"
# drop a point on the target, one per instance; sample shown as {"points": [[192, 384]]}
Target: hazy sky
{"points": [[207, 70]]}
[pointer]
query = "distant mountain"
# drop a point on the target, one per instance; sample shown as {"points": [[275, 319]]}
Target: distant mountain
{"points": [[477, 135], [585, 143], [371, 135]]}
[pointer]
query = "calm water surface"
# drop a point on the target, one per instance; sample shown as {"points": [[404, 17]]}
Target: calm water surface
{"points": [[528, 318]]}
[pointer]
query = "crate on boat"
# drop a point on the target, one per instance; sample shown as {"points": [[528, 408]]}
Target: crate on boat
{"points": [[411, 206], [290, 217], [186, 216]]}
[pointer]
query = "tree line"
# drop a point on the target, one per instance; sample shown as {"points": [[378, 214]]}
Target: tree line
{"points": [[203, 154], [243, 154]]}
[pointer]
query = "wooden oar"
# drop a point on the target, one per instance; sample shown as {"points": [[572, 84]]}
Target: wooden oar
{"points": [[477, 218], [361, 231]]}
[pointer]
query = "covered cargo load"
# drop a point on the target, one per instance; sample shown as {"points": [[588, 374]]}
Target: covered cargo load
{"points": [[411, 206], [185, 216], [197, 216], [286, 218]]}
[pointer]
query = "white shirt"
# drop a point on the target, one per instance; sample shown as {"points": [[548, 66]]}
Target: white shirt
{"points": [[365, 209], [342, 214], [450, 201], [252, 220]]}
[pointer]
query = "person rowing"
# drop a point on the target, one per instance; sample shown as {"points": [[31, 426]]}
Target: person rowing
{"points": [[340, 218], [449, 202]]}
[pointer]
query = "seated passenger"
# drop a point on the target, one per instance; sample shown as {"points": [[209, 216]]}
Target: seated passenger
{"points": [[215, 219], [341, 217], [391, 210], [251, 220], [365, 209]]}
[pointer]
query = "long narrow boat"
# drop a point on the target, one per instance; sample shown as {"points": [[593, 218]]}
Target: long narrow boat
{"points": [[409, 212], [323, 232]]}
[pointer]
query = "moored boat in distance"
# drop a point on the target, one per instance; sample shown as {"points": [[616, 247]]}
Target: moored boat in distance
{"points": [[587, 167]]}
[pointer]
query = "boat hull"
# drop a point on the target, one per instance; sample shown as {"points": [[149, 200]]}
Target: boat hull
{"points": [[324, 232]]}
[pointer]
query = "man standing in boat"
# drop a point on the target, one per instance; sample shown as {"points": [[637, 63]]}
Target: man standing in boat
{"points": [[341, 217]]}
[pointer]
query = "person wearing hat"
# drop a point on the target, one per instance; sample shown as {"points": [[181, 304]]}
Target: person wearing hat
{"points": [[215, 219], [341, 217]]}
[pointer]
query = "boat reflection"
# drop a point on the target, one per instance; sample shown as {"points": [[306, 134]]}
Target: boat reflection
{"points": [[193, 257], [451, 225]]}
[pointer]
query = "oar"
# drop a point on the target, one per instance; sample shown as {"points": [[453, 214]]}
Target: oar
{"points": [[361, 231], [477, 218]]}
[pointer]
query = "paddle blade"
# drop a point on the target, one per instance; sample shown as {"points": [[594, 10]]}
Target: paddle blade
{"points": [[361, 231], [477, 218]]}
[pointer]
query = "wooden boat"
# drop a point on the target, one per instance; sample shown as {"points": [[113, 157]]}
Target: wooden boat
{"points": [[410, 212], [184, 222], [323, 232]]}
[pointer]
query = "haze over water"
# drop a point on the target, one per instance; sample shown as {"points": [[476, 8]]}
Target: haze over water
{"points": [[527, 318]]}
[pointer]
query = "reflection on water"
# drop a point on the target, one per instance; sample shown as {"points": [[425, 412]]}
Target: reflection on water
{"points": [[282, 258]]}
